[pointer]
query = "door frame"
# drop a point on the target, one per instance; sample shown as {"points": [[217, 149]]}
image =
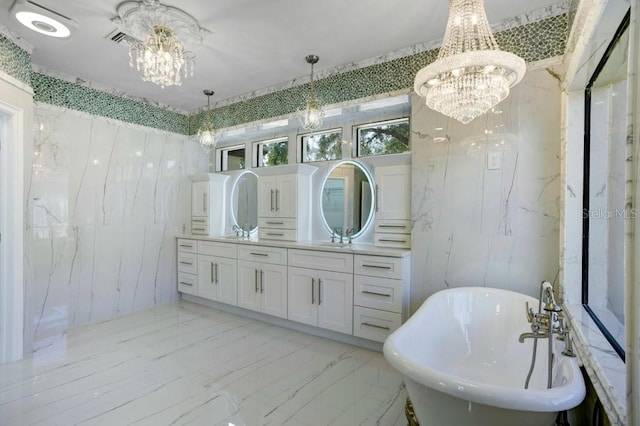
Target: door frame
{"points": [[12, 233]]}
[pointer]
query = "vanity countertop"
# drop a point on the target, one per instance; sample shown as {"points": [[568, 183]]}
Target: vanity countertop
{"points": [[355, 248]]}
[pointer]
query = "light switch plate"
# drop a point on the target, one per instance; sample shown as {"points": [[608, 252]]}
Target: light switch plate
{"points": [[494, 160]]}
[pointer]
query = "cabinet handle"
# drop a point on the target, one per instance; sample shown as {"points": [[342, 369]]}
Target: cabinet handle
{"points": [[261, 281], [313, 291], [376, 195], [198, 220], [271, 200], [273, 234], [319, 291], [274, 223], [392, 226], [256, 280], [186, 263], [390, 240], [364, 265], [198, 229], [375, 294], [375, 326], [277, 195], [211, 275], [183, 283], [186, 245], [259, 254], [217, 280], [204, 202]]}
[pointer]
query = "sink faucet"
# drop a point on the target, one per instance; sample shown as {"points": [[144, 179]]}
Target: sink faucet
{"points": [[237, 229], [349, 233]]}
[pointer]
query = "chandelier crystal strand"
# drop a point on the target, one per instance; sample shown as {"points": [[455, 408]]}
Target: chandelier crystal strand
{"points": [[313, 115], [471, 74]]}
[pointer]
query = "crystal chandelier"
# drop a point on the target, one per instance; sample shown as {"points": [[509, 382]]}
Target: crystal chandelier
{"points": [[161, 58], [471, 74], [159, 32], [312, 117], [205, 133]]}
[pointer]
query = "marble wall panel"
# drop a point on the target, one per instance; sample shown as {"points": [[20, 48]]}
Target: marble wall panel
{"points": [[475, 226], [104, 204]]}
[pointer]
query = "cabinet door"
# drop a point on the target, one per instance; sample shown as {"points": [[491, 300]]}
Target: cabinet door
{"points": [[286, 196], [249, 285], [199, 198], [226, 273], [273, 287], [266, 196], [335, 301], [206, 277], [393, 192], [303, 289]]}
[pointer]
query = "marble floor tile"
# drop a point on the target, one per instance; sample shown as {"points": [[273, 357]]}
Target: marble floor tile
{"points": [[186, 364]]}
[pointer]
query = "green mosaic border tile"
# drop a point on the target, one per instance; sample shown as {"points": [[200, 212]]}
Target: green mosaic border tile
{"points": [[14, 60], [62, 93], [538, 40]]}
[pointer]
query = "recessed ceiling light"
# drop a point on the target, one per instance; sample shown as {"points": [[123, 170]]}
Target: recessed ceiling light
{"points": [[42, 20]]}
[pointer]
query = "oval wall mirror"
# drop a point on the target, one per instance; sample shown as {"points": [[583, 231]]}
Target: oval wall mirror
{"points": [[245, 201], [347, 198]]}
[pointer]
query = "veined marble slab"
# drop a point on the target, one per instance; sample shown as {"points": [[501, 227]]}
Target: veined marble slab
{"points": [[184, 363], [104, 200]]}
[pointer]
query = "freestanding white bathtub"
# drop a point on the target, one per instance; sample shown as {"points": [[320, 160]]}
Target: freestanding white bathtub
{"points": [[463, 365]]}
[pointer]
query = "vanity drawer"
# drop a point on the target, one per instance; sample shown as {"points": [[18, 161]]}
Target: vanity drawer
{"points": [[378, 266], [187, 246], [373, 324], [263, 254], [199, 226], [187, 263], [212, 248], [278, 234], [378, 293], [187, 283], [277, 223], [393, 240], [325, 261], [391, 226]]}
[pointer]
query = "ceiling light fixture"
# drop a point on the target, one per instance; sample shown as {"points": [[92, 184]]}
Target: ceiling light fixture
{"points": [[160, 31], [471, 74], [205, 133], [43, 20], [313, 115]]}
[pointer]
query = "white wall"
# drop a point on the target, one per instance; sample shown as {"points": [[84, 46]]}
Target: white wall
{"points": [[480, 227], [104, 204]]}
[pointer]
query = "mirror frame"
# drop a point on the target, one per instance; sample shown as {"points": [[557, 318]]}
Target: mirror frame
{"points": [[369, 176], [234, 188]]}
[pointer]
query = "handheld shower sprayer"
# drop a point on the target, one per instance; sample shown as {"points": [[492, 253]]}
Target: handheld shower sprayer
{"points": [[550, 301]]}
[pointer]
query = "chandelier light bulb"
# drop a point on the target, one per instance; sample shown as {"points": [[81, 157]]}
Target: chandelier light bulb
{"points": [[471, 74]]}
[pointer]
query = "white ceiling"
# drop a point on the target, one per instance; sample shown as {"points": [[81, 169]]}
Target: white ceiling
{"points": [[253, 44]]}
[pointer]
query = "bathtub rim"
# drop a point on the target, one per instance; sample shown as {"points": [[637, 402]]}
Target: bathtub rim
{"points": [[559, 398]]}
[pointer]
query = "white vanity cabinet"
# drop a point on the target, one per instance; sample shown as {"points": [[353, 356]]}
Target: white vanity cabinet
{"points": [[321, 289], [381, 295], [393, 206], [217, 272], [277, 196], [208, 204], [187, 259], [262, 279], [284, 203]]}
